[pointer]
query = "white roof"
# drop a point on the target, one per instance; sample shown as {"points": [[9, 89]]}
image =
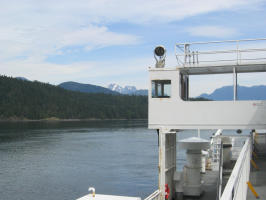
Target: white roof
{"points": [[107, 197], [261, 130], [222, 69]]}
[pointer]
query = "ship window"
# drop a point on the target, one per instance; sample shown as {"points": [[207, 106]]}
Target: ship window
{"points": [[214, 87], [161, 88]]}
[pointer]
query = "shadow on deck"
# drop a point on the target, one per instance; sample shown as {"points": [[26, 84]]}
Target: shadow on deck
{"points": [[258, 176]]}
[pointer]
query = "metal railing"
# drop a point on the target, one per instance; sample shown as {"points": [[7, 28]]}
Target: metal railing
{"points": [[154, 196], [236, 187], [220, 179], [215, 150], [227, 52]]}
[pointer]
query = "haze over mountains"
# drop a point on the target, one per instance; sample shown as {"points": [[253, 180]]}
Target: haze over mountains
{"points": [[243, 93], [112, 89], [220, 94]]}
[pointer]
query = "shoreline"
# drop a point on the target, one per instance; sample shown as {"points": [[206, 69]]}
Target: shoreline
{"points": [[62, 120]]}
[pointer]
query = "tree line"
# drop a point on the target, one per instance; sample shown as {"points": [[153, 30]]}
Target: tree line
{"points": [[21, 99]]}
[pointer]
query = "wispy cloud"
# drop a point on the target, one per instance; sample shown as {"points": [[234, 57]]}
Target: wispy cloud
{"points": [[135, 11], [34, 30], [97, 72], [39, 29], [97, 36], [212, 31], [41, 41]]}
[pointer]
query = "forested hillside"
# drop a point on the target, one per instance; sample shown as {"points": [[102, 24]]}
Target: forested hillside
{"points": [[87, 88], [20, 99]]}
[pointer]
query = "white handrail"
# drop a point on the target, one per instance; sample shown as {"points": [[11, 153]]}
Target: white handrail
{"points": [[154, 196], [223, 41], [188, 56], [220, 180], [236, 187]]}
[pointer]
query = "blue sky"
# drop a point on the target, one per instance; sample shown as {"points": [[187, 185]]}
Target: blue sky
{"points": [[111, 41]]}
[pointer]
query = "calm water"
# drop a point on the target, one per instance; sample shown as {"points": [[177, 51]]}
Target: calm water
{"points": [[60, 160]]}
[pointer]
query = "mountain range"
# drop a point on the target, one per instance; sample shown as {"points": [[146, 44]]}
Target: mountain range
{"points": [[243, 93], [129, 90], [86, 88], [220, 94], [112, 88]]}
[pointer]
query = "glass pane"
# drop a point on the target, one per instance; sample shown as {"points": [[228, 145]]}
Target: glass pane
{"points": [[167, 90], [153, 93], [161, 88]]}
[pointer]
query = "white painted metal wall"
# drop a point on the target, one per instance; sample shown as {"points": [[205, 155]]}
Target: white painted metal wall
{"points": [[175, 113], [167, 161]]}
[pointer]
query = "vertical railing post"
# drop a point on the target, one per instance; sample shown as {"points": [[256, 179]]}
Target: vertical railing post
{"points": [[235, 83], [197, 57], [237, 52], [234, 70], [193, 54], [186, 57]]}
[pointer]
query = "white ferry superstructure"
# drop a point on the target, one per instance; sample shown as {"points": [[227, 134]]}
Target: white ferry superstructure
{"points": [[226, 167]]}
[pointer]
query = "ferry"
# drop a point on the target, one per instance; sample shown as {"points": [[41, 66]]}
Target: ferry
{"points": [[226, 167]]}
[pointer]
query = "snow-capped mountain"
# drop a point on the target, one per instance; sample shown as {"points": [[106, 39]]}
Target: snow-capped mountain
{"points": [[115, 87], [86, 88], [131, 90]]}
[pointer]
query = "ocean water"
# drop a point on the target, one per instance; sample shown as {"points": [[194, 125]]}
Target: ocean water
{"points": [[60, 160]]}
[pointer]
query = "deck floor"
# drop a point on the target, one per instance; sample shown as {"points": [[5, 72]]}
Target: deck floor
{"points": [[209, 186], [258, 179]]}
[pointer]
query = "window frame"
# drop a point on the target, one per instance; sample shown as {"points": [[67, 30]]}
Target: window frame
{"points": [[160, 93]]}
